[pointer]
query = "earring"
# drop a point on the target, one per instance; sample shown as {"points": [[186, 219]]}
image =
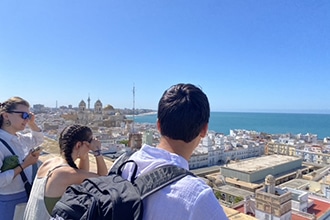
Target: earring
{"points": [[7, 123]]}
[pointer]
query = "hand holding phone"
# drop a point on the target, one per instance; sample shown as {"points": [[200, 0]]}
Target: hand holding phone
{"points": [[37, 149]]}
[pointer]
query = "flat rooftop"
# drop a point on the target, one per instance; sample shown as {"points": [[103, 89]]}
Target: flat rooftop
{"points": [[302, 184], [235, 191], [205, 170], [295, 183], [260, 163]]}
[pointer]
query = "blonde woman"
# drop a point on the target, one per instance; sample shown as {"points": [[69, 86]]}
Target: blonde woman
{"points": [[15, 115]]}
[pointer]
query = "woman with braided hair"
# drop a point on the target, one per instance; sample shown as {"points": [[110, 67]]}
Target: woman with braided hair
{"points": [[16, 157], [56, 174]]}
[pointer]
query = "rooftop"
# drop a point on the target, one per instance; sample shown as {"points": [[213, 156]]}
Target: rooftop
{"points": [[237, 215], [264, 162], [235, 191], [296, 184], [319, 207]]}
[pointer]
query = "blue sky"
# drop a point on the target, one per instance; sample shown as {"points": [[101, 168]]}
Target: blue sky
{"points": [[247, 55]]}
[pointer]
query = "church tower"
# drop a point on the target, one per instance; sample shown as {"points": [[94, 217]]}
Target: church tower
{"points": [[98, 107], [82, 106], [82, 113], [98, 113], [271, 202]]}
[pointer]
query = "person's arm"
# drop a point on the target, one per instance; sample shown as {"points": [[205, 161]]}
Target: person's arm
{"points": [[84, 162], [32, 124], [18, 170], [7, 176], [30, 159], [95, 147], [37, 134], [35, 137], [101, 166]]}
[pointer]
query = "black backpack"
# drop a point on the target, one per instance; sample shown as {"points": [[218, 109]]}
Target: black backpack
{"points": [[113, 197]]}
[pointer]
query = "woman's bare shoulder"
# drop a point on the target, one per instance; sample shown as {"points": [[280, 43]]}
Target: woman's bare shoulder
{"points": [[69, 175], [48, 165]]}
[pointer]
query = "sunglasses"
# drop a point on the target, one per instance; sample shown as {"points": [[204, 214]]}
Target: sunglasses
{"points": [[25, 115], [89, 141]]}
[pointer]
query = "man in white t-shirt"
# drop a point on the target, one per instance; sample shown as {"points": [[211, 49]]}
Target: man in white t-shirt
{"points": [[183, 116]]}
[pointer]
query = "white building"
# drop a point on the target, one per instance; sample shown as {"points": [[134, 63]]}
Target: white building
{"points": [[218, 149]]}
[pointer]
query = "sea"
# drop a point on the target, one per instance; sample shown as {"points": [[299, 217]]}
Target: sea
{"points": [[271, 123]]}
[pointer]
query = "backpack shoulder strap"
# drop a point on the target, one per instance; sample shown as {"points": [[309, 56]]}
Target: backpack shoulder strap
{"points": [[8, 147], [158, 178], [119, 161]]}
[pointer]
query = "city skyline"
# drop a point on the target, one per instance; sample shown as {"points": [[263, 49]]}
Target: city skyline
{"points": [[247, 56]]}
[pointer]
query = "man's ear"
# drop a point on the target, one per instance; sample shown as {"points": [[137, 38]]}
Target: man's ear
{"points": [[204, 130], [158, 126]]}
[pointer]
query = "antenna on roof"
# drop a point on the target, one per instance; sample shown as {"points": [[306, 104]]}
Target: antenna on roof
{"points": [[88, 100]]}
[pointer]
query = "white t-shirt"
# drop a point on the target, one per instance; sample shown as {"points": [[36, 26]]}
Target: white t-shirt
{"points": [[188, 198], [21, 145]]}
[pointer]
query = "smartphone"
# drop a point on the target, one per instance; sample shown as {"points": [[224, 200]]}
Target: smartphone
{"points": [[37, 149]]}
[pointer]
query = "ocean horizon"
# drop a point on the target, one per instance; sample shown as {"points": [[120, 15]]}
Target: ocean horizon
{"points": [[272, 123]]}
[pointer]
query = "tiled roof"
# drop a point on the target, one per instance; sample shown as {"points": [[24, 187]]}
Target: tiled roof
{"points": [[319, 207]]}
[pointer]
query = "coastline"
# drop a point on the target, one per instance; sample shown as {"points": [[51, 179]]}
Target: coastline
{"points": [[142, 114], [271, 123]]}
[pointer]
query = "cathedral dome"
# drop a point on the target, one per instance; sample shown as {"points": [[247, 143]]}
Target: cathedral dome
{"points": [[108, 108]]}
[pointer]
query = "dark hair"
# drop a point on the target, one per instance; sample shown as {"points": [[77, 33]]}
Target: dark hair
{"points": [[10, 105], [183, 111], [69, 136]]}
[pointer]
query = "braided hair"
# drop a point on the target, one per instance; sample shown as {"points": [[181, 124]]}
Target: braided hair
{"points": [[11, 105], [68, 139]]}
